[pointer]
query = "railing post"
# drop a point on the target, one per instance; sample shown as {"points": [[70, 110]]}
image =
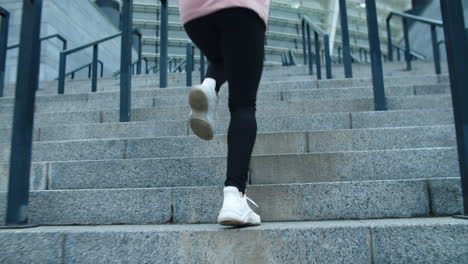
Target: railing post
{"points": [[3, 46], [375, 54], [23, 123], [309, 48], [140, 52], [126, 61], [163, 45], [303, 26], [64, 47], [435, 49], [317, 56], [339, 55], [202, 67], [188, 64], [457, 56], [328, 65], [62, 69], [102, 68], [389, 39], [95, 68], [345, 39], [407, 44]]}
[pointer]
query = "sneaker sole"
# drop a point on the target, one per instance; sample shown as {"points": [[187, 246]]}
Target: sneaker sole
{"points": [[198, 100], [201, 128], [235, 222]]}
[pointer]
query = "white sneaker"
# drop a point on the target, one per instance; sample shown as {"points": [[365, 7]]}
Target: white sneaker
{"points": [[203, 101], [236, 211]]}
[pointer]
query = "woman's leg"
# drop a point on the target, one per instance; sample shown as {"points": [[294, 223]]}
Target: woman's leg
{"points": [[242, 47], [204, 33]]}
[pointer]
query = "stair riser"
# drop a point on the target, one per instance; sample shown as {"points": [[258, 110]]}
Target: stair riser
{"points": [[320, 201], [298, 142], [311, 122], [266, 169], [153, 83], [382, 241]]}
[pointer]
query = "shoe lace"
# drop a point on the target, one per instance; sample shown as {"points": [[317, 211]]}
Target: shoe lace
{"points": [[250, 200]]}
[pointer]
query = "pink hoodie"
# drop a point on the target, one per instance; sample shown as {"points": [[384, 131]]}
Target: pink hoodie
{"points": [[191, 9]]}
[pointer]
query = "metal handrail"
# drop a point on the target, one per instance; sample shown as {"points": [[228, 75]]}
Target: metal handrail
{"points": [[307, 25], [95, 45], [136, 63], [405, 17], [146, 64], [4, 28], [361, 51], [190, 63], [60, 37], [27, 82], [457, 61], [89, 65], [180, 66], [288, 58], [3, 53], [164, 39], [413, 53]]}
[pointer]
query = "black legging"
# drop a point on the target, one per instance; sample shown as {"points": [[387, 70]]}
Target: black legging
{"points": [[233, 41]]}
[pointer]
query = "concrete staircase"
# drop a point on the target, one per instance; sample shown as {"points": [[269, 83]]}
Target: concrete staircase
{"points": [[336, 182]]}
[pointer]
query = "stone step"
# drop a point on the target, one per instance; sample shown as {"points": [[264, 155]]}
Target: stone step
{"points": [[85, 115], [84, 86], [280, 202], [265, 123], [432, 240], [73, 87], [266, 87], [264, 108], [265, 169], [85, 110], [288, 142]]}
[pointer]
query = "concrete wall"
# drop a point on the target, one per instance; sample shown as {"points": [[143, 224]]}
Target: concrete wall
{"points": [[79, 21]]}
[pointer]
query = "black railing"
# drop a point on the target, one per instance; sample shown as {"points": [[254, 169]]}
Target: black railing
{"points": [[136, 67], [26, 87], [189, 64], [126, 60], [347, 60], [376, 56], [457, 56], [58, 36], [27, 82], [95, 45], [3, 55], [163, 43], [408, 56], [363, 51], [288, 58], [4, 26], [89, 66], [146, 64], [307, 27], [413, 54], [139, 48]]}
